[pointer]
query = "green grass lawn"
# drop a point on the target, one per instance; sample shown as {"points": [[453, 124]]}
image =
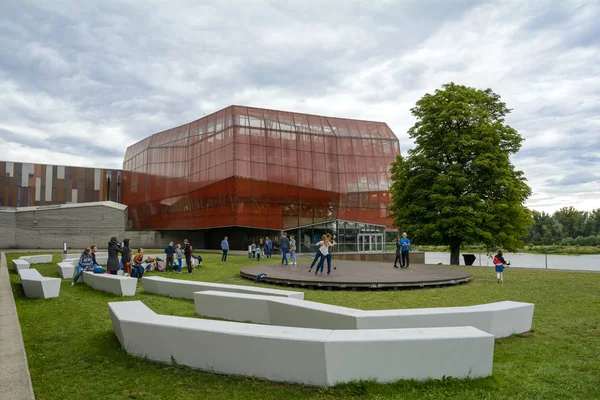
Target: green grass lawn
{"points": [[74, 354]]}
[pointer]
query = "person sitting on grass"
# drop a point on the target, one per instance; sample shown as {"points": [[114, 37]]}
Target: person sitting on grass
{"points": [[86, 263]]}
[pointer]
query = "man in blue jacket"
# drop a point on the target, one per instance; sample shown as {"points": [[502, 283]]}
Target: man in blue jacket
{"points": [[284, 242], [170, 251], [225, 248]]}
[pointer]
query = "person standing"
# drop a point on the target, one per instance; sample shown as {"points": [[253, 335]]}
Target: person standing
{"points": [[323, 246], [293, 250], [225, 248], [398, 252], [114, 248], [261, 244], [329, 252], [499, 263], [170, 252], [405, 250], [268, 247], [126, 257], [179, 255], [284, 242], [187, 251]]}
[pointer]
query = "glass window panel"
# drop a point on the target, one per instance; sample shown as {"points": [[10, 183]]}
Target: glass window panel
{"points": [[220, 121], [289, 157], [274, 155], [353, 129], [229, 153], [314, 124], [387, 148], [373, 181], [290, 176], [352, 182], [210, 123], [332, 181], [286, 121], [243, 135], [320, 180], [359, 163], [228, 169], [259, 171], [342, 182], [367, 147], [228, 134], [383, 181], [243, 152], [241, 117], [305, 177], [288, 140], [305, 159], [256, 118], [331, 144], [373, 164], [318, 144], [274, 173], [242, 168], [219, 140], [304, 142], [274, 138], [377, 148], [363, 184], [301, 123], [331, 163], [257, 136], [259, 154], [271, 120]]}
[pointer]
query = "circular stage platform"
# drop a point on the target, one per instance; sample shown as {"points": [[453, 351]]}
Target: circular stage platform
{"points": [[358, 275]]}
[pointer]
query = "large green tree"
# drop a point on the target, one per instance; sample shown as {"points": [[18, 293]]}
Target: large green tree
{"points": [[458, 185]]}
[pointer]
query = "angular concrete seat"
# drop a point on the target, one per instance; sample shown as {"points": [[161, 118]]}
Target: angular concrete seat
{"points": [[20, 264], [316, 357], [185, 289], [501, 319], [36, 286], [38, 259], [116, 284], [66, 270]]}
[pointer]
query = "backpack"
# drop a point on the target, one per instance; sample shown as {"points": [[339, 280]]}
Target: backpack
{"points": [[497, 261]]}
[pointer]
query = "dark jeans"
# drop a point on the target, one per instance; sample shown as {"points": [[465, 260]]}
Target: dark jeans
{"points": [[317, 256], [224, 256], [188, 260], [268, 252], [328, 257], [170, 261], [321, 263], [139, 270], [398, 258], [284, 255], [405, 258]]}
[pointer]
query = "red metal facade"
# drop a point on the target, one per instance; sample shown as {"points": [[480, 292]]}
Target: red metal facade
{"points": [[260, 168], [24, 184]]}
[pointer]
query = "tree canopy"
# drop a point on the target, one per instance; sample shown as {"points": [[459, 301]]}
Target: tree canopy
{"points": [[458, 185]]}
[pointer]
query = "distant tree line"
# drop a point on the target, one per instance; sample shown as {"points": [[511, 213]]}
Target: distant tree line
{"points": [[566, 227]]}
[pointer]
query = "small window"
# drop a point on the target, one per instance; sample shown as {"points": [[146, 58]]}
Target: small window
{"points": [[30, 175]]}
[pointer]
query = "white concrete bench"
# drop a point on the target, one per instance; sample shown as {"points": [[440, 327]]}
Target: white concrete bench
{"points": [[116, 284], [185, 289], [19, 264], [501, 319], [316, 357], [66, 270], [36, 286], [38, 259]]}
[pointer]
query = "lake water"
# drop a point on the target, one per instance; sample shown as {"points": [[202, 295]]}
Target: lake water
{"points": [[522, 260]]}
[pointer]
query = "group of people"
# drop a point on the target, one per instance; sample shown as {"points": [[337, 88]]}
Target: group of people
{"points": [[262, 248], [323, 253], [131, 264]]}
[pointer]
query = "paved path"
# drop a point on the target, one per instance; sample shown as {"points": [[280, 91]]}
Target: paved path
{"points": [[15, 382]]}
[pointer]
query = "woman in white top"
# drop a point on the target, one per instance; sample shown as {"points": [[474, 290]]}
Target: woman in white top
{"points": [[323, 246]]}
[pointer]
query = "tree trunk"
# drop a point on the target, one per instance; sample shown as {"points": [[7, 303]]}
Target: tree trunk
{"points": [[455, 254]]}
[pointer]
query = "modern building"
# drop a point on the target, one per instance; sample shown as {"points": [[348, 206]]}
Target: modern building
{"points": [[248, 172], [25, 185]]}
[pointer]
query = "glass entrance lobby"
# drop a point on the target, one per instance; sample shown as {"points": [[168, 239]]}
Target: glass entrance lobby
{"points": [[350, 236]]}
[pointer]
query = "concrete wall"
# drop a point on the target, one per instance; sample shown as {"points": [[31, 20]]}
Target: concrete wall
{"points": [[78, 224], [7, 229]]}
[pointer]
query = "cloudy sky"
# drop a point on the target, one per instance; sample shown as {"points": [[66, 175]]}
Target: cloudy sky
{"points": [[80, 81]]}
